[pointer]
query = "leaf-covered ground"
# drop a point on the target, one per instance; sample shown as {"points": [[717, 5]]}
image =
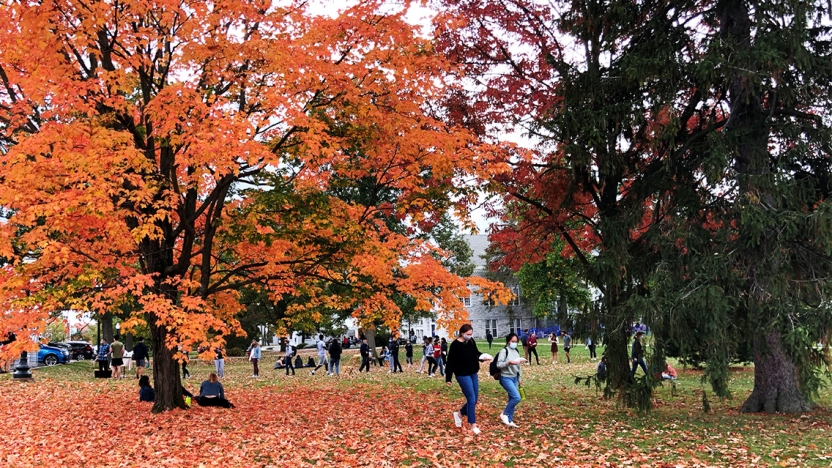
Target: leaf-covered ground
{"points": [[67, 419]]}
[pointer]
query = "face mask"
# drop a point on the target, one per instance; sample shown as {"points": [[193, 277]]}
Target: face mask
{"points": [[513, 345], [467, 337]]}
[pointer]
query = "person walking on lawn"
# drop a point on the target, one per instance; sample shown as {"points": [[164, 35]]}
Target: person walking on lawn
{"points": [[489, 338], [408, 353], [464, 362], [439, 357], [322, 362], [365, 355], [567, 345], [394, 356], [117, 353], [334, 358], [553, 338], [290, 352], [140, 355], [425, 354], [219, 362], [638, 354], [590, 345], [254, 357], [532, 341], [508, 361]]}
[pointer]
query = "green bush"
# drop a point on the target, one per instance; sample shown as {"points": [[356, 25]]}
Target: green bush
{"points": [[300, 345], [234, 352]]}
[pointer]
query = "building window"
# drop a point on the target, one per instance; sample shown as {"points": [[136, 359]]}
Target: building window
{"points": [[515, 301], [467, 301], [516, 326], [491, 326]]}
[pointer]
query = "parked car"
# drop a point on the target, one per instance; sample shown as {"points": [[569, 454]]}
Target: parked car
{"points": [[79, 350], [53, 355]]}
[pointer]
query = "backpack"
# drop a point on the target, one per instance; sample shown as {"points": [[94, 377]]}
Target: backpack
{"points": [[525, 340], [493, 370]]}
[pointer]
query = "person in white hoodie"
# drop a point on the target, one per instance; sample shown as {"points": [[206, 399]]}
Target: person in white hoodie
{"points": [[508, 361]]}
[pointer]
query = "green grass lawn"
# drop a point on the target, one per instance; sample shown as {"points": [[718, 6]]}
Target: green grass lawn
{"points": [[559, 414]]}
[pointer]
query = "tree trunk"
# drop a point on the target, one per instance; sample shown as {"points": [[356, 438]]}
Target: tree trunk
{"points": [[775, 379], [128, 341], [776, 386], [107, 327], [371, 342], [619, 358], [166, 379]]}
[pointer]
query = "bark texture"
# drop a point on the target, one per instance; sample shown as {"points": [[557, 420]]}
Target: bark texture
{"points": [[776, 387]]}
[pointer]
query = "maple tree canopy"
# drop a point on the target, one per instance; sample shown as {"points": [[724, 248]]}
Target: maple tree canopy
{"points": [[157, 156]]}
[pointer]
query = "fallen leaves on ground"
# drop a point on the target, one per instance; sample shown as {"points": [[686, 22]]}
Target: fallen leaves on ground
{"points": [[373, 420]]}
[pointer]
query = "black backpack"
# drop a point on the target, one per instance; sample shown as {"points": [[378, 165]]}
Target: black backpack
{"points": [[493, 370]]}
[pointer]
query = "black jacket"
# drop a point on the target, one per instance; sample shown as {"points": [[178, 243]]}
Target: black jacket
{"points": [[365, 350], [335, 350], [140, 351], [638, 350], [463, 359]]}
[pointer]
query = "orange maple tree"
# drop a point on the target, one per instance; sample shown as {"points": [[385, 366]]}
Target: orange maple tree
{"points": [[160, 155]]}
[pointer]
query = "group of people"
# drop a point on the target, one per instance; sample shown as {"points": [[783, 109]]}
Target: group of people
{"points": [[110, 357], [529, 341], [211, 392], [461, 359]]}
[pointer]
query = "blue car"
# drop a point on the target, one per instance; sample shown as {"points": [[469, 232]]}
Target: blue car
{"points": [[52, 355]]}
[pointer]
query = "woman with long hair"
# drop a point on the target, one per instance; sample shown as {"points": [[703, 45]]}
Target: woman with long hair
{"points": [[508, 361], [464, 362]]}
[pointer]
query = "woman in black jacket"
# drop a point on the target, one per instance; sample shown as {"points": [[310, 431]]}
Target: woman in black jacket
{"points": [[464, 362]]}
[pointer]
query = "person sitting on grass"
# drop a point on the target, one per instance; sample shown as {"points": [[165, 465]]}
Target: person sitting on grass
{"points": [[669, 372], [279, 364], [146, 392], [211, 393], [310, 362], [298, 362], [602, 371]]}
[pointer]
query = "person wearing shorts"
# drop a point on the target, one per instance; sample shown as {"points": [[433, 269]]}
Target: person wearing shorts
{"points": [[117, 353], [140, 354], [567, 345]]}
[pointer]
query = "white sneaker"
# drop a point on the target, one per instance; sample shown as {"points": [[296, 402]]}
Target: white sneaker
{"points": [[505, 420], [476, 430], [511, 424], [312, 373], [457, 419]]}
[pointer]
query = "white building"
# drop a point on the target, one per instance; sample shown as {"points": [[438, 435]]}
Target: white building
{"points": [[500, 320]]}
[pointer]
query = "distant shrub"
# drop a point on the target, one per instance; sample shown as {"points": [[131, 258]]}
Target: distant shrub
{"points": [[234, 352]]}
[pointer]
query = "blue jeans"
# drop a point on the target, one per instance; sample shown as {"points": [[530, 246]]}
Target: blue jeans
{"points": [[470, 386], [335, 366], [510, 384], [441, 364], [639, 362]]}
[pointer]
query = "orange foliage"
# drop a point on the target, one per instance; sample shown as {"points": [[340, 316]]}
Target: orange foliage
{"points": [[134, 133]]}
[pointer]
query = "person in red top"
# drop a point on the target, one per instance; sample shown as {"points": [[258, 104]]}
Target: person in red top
{"points": [[532, 346], [437, 356], [669, 372]]}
